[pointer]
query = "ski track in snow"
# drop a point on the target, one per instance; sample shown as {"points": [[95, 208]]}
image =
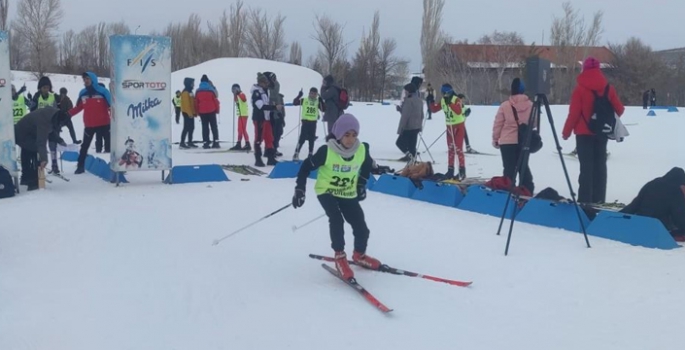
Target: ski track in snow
{"points": [[85, 265]]}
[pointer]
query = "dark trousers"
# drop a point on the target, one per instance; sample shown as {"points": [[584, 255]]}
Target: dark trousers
{"points": [[70, 125], [510, 158], [592, 154], [188, 128], [29, 167], [407, 141], [340, 210], [466, 139], [307, 133], [209, 121], [102, 137], [88, 135], [178, 114], [277, 128]]}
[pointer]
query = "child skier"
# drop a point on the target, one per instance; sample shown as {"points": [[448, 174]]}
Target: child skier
{"points": [[452, 106], [309, 114], [240, 102], [344, 166]]}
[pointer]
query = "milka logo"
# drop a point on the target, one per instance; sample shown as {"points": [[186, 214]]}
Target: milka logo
{"points": [[139, 110]]}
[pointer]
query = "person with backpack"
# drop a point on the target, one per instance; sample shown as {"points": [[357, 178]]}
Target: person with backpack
{"points": [[344, 166], [335, 101], [505, 134], [411, 123], [593, 111], [309, 114], [240, 102], [452, 106], [664, 199]]}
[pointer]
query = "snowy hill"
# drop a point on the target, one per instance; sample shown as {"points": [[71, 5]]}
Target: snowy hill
{"points": [[99, 267]]}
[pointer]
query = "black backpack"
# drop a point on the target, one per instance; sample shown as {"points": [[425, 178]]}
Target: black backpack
{"points": [[603, 120], [6, 184], [535, 139]]}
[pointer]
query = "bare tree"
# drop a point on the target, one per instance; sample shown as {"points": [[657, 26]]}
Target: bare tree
{"points": [[265, 37], [506, 55], [4, 10], [221, 34], [68, 53], [238, 24], [295, 53], [636, 69], [388, 64], [36, 23], [569, 34], [330, 35], [432, 38], [19, 55]]}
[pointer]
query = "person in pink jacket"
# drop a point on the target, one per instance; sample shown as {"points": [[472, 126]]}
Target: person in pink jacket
{"points": [[505, 133]]}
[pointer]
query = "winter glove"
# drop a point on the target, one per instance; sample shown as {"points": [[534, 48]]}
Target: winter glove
{"points": [[298, 198], [300, 94], [495, 144], [468, 112], [361, 192]]}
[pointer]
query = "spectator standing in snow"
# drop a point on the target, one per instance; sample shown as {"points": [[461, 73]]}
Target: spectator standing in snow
{"points": [[592, 149], [411, 122], [309, 115], [94, 101], [645, 99], [430, 99], [240, 102], [31, 134], [652, 97], [663, 198], [177, 106], [64, 104], [330, 94], [189, 113], [261, 118], [207, 103], [277, 117], [505, 134], [103, 135]]}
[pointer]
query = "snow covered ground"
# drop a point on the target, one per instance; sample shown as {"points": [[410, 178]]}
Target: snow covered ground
{"points": [[85, 265]]}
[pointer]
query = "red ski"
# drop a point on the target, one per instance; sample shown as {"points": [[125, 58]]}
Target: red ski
{"points": [[395, 271], [353, 283]]}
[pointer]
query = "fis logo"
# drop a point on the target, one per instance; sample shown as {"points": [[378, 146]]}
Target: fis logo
{"points": [[144, 58]]}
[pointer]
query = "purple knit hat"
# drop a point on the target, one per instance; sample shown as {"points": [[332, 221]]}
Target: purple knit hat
{"points": [[345, 123]]}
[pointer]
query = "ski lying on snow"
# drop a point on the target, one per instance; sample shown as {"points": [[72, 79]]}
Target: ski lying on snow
{"points": [[356, 286], [395, 271], [58, 176]]}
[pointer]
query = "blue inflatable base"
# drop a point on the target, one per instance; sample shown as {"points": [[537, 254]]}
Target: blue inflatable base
{"points": [[70, 156], [394, 186], [554, 215], [196, 174], [651, 114], [439, 193], [658, 107], [288, 170], [632, 229], [480, 199], [672, 109]]}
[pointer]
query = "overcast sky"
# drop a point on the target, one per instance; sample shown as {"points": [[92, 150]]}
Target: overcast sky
{"points": [[657, 22]]}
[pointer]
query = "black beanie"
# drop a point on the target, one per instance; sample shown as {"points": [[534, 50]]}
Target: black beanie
{"points": [[44, 81], [204, 78], [517, 87], [411, 88], [314, 90]]}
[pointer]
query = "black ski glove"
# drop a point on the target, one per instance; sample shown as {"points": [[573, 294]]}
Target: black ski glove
{"points": [[468, 112], [298, 198], [361, 192], [299, 95]]}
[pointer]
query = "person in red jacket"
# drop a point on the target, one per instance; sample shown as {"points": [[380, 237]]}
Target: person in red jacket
{"points": [[452, 106], [591, 148], [207, 102], [94, 101]]}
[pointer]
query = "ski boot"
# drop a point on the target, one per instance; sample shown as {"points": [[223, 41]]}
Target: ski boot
{"points": [[247, 147], [449, 175], [79, 170], [206, 145], [258, 156], [215, 145], [55, 169], [271, 157], [296, 157], [462, 173], [470, 150], [343, 266], [366, 261], [183, 145], [237, 147], [191, 144]]}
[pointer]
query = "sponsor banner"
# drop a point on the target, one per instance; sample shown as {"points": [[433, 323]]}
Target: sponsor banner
{"points": [[141, 123], [8, 153]]}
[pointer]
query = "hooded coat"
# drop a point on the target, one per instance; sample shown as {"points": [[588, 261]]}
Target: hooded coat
{"points": [[95, 101], [411, 114], [663, 199], [206, 99], [582, 102], [505, 130], [330, 94], [187, 98], [33, 132]]}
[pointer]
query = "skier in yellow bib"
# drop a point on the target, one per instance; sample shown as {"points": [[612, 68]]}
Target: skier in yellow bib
{"points": [[344, 165]]}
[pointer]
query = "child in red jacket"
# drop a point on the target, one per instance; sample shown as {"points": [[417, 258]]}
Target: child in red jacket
{"points": [[452, 106]]}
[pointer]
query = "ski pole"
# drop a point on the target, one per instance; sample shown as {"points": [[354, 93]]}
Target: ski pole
{"points": [[289, 132], [234, 121], [295, 228], [217, 241], [436, 140]]}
